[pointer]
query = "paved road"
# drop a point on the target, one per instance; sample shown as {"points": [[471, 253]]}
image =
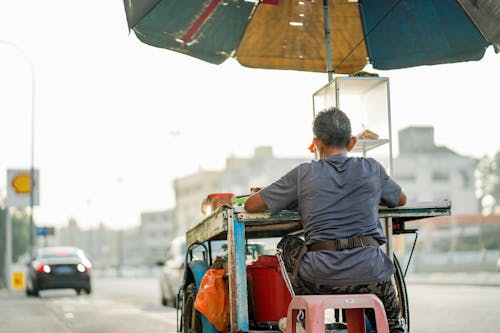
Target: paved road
{"points": [[115, 306], [454, 308], [132, 305]]}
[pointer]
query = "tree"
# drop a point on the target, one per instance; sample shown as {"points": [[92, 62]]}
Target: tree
{"points": [[489, 184]]}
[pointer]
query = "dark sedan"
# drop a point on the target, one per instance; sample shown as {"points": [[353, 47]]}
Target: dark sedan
{"points": [[59, 268]]}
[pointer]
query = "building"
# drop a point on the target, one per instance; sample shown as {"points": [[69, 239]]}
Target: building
{"points": [[189, 193], [157, 229], [432, 173], [104, 247], [457, 243], [240, 174]]}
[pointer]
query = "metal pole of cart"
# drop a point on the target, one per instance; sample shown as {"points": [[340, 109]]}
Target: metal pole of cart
{"points": [[237, 273]]}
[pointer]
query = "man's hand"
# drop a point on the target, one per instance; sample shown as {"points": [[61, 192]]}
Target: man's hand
{"points": [[402, 199]]}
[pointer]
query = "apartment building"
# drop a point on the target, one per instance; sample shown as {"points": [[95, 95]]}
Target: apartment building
{"points": [[240, 174], [428, 172]]}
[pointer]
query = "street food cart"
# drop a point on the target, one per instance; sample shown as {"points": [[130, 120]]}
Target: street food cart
{"points": [[233, 224], [366, 102]]}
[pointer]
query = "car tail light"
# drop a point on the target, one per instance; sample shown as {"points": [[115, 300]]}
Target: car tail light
{"points": [[42, 268], [82, 268]]}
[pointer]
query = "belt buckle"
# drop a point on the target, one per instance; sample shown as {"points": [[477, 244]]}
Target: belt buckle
{"points": [[343, 243]]}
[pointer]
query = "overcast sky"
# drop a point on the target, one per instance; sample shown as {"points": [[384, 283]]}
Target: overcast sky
{"points": [[117, 120]]}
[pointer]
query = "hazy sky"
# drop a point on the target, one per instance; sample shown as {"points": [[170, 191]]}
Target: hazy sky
{"points": [[117, 120]]}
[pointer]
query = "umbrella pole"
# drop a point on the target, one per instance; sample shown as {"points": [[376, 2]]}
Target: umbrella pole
{"points": [[329, 61]]}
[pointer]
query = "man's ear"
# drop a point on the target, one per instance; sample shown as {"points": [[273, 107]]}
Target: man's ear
{"points": [[318, 144], [352, 143]]}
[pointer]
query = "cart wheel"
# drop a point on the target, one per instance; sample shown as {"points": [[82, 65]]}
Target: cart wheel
{"points": [[402, 293], [192, 318]]}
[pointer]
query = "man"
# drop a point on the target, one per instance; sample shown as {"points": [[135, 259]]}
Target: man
{"points": [[338, 199]]}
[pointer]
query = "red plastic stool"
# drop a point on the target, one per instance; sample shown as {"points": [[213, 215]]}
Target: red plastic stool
{"points": [[353, 304]]}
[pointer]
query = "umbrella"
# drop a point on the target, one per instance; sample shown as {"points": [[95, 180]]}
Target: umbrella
{"points": [[340, 36]]}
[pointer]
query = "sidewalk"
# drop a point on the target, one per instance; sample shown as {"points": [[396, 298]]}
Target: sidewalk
{"points": [[21, 314], [476, 279]]}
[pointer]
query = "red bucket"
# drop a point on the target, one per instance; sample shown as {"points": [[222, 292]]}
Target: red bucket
{"points": [[269, 295]]}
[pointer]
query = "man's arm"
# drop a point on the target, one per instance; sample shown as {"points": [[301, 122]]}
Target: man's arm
{"points": [[402, 199], [255, 203]]}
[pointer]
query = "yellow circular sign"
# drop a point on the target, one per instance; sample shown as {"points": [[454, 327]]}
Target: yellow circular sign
{"points": [[22, 183]]}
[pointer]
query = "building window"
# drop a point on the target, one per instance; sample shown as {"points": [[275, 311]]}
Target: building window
{"points": [[441, 196], [406, 177], [440, 176], [466, 181]]}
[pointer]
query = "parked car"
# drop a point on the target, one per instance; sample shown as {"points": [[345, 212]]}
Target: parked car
{"points": [[59, 268], [172, 271]]}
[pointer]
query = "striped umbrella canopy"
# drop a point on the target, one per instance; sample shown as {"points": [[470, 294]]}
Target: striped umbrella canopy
{"points": [[337, 36]]}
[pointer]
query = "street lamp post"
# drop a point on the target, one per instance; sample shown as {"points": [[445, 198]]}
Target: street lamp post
{"points": [[32, 163]]}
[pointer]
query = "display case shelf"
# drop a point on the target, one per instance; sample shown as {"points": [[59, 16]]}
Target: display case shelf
{"points": [[364, 145], [366, 102]]}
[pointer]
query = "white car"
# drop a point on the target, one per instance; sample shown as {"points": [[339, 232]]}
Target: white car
{"points": [[173, 271]]}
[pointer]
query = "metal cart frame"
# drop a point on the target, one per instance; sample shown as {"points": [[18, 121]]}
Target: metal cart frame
{"points": [[236, 226]]}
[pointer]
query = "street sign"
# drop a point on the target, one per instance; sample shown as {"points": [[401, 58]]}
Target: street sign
{"points": [[41, 231], [18, 280], [45, 231], [19, 188]]}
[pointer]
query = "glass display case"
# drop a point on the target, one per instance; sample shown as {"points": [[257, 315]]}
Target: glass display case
{"points": [[366, 101]]}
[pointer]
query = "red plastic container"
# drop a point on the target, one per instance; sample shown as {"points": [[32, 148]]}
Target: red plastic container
{"points": [[269, 294]]}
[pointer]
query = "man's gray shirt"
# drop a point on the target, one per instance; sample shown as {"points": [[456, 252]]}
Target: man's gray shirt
{"points": [[338, 197]]}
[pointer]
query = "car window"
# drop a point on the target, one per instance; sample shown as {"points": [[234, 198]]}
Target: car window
{"points": [[59, 254]]}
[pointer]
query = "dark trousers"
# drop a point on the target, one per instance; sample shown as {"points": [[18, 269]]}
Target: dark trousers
{"points": [[385, 290]]}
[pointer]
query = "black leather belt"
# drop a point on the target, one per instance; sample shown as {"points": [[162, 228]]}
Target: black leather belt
{"points": [[343, 243], [334, 244]]}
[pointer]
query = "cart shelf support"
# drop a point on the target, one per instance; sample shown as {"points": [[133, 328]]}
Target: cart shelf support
{"points": [[237, 273]]}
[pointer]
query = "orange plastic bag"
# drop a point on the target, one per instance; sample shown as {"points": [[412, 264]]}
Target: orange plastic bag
{"points": [[213, 299]]}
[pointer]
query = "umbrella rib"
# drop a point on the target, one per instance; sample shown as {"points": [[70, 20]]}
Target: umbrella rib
{"points": [[369, 32], [199, 22]]}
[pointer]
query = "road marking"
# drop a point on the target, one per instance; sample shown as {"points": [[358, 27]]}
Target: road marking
{"points": [[69, 315]]}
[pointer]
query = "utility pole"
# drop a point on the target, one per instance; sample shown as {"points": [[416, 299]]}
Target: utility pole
{"points": [[8, 248], [8, 236], [32, 167]]}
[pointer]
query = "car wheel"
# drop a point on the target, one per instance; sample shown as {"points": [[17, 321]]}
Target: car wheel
{"points": [[192, 318], [29, 288], [32, 289], [163, 300], [78, 291], [88, 290]]}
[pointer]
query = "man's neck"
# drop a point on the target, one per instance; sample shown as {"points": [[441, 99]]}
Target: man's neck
{"points": [[330, 151]]}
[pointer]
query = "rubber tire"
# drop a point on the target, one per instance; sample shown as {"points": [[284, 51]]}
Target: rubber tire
{"points": [[192, 318], [33, 292], [402, 292]]}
